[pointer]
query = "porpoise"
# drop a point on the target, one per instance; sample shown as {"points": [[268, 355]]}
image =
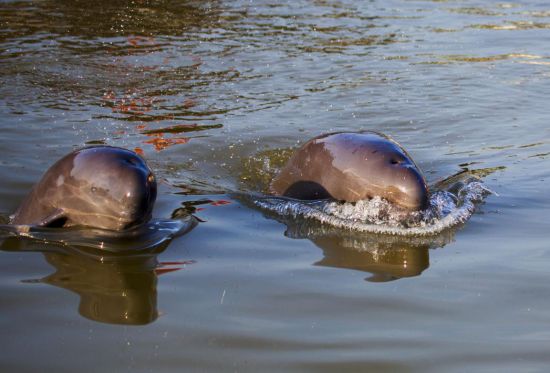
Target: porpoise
{"points": [[353, 166], [101, 186]]}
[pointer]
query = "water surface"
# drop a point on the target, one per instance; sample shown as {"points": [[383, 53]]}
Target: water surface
{"points": [[216, 95]]}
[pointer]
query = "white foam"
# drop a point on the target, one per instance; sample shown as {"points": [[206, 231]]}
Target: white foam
{"points": [[378, 216]]}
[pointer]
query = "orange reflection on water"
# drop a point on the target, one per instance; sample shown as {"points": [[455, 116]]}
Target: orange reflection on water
{"points": [[137, 40], [166, 267], [129, 103], [189, 103], [134, 105], [160, 143], [220, 202]]}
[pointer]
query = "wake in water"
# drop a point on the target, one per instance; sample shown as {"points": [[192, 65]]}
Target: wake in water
{"points": [[450, 205], [143, 238]]}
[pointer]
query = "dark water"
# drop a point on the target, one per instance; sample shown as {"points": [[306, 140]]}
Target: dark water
{"points": [[215, 95]]}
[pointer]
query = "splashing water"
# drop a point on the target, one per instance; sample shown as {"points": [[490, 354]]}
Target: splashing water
{"points": [[448, 208]]}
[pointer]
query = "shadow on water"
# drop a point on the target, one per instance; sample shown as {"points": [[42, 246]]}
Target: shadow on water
{"points": [[116, 284]]}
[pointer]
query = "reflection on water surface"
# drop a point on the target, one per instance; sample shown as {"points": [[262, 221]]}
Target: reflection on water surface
{"points": [[386, 262], [118, 292], [216, 95], [114, 273]]}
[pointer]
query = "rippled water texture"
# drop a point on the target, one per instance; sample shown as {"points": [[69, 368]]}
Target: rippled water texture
{"points": [[144, 237], [216, 96]]}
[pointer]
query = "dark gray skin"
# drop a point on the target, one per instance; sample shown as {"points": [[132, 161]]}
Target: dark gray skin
{"points": [[102, 187], [352, 166]]}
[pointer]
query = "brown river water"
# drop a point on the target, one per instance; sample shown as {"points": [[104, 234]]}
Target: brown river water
{"points": [[215, 95]]}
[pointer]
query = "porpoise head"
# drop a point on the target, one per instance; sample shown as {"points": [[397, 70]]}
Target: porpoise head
{"points": [[103, 187], [379, 166], [352, 166], [114, 188]]}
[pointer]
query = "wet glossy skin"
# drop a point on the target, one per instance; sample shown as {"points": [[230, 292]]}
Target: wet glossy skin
{"points": [[104, 187], [351, 166]]}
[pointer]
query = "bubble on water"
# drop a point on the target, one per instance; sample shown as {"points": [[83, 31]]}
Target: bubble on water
{"points": [[448, 208]]}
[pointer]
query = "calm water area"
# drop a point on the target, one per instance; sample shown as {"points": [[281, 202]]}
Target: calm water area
{"points": [[216, 95]]}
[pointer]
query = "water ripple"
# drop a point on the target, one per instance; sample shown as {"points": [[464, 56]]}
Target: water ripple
{"points": [[139, 239]]}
